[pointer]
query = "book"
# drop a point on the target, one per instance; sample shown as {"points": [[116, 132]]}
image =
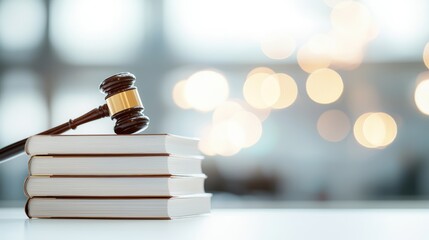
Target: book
{"points": [[113, 165], [129, 208], [50, 186], [148, 144]]}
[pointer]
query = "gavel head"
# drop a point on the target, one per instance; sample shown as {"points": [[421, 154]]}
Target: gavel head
{"points": [[124, 103]]}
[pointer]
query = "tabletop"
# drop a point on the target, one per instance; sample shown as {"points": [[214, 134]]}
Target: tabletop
{"points": [[367, 224]]}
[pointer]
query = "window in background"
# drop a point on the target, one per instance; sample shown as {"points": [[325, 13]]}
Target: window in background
{"points": [[111, 36], [22, 26], [402, 27], [236, 30], [75, 94], [22, 106]]}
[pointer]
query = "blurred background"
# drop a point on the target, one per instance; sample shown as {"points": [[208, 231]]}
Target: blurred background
{"points": [[314, 100]]}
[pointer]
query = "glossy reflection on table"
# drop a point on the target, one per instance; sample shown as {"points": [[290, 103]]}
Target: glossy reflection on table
{"points": [[362, 224]]}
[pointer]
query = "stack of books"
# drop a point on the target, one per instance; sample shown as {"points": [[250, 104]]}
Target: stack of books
{"points": [[114, 176]]}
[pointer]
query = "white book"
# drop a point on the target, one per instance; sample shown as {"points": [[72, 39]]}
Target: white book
{"points": [[129, 208], [45, 186], [113, 165], [112, 145]]}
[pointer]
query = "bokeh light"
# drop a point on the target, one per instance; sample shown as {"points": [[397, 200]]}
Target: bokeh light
{"points": [[426, 55], [205, 90], [353, 27], [270, 90], [316, 53], [379, 129], [261, 113], [261, 90], [266, 70], [265, 89], [333, 125], [204, 145], [246, 129], [221, 141], [232, 129], [351, 18], [226, 111], [421, 96], [348, 52], [288, 91], [277, 46], [179, 95], [324, 86], [375, 130], [358, 131]]}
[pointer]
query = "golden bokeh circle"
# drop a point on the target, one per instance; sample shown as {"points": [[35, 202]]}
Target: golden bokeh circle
{"points": [[324, 86]]}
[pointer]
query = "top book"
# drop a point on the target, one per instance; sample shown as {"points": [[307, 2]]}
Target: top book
{"points": [[136, 144]]}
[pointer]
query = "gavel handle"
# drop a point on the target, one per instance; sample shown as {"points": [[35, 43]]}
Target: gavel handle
{"points": [[14, 149]]}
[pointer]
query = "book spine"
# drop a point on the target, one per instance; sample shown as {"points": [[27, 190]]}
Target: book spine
{"points": [[30, 161], [26, 208], [25, 187], [26, 147]]}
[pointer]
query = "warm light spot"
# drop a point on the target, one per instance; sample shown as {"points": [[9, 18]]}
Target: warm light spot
{"points": [[226, 111], [261, 113], [270, 90], [351, 18], [333, 125], [324, 86], [260, 70], [288, 91], [261, 90], [246, 129], [221, 141], [206, 89], [379, 129], [391, 128], [375, 130], [347, 52], [316, 53], [426, 55], [353, 27], [278, 47], [421, 96], [233, 128], [205, 142], [358, 131], [179, 95]]}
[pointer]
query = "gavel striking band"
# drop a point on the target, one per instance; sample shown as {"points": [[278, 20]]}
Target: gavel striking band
{"points": [[123, 100], [123, 103]]}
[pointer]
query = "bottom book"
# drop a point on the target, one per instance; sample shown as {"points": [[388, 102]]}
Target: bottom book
{"points": [[127, 208]]}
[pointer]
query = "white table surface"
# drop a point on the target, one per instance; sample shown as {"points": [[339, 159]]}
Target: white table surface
{"points": [[288, 224]]}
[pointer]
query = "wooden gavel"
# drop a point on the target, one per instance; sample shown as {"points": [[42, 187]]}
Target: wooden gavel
{"points": [[122, 104]]}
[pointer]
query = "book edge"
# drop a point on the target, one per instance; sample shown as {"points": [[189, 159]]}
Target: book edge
{"points": [[202, 195], [26, 208], [28, 149], [25, 186]]}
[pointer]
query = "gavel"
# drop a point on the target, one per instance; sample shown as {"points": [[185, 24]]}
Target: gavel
{"points": [[123, 104]]}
